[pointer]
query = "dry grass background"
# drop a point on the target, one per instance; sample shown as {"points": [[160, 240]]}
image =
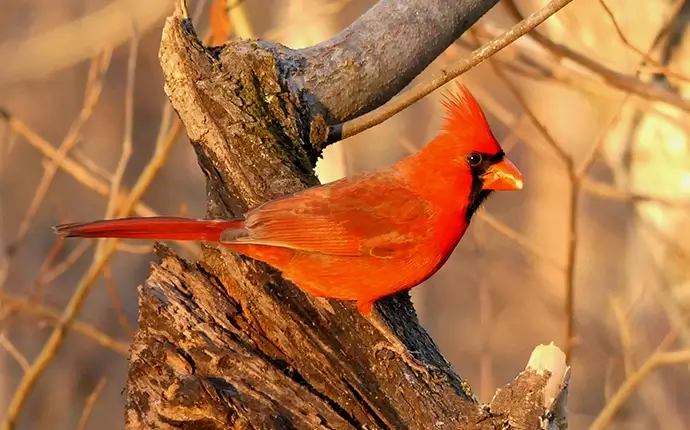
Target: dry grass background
{"points": [[604, 214]]}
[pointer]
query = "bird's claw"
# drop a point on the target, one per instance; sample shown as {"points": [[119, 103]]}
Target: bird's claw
{"points": [[428, 372]]}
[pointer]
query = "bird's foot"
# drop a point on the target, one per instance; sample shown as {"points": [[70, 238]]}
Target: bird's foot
{"points": [[395, 345], [422, 369]]}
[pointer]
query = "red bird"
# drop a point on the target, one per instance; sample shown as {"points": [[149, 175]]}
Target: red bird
{"points": [[363, 237]]}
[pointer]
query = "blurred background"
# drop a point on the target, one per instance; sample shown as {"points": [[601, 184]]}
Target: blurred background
{"points": [[593, 110]]}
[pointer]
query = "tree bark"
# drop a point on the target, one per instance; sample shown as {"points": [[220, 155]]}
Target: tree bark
{"points": [[225, 342]]}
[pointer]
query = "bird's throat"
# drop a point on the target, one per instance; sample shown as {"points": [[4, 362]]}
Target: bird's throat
{"points": [[477, 197]]}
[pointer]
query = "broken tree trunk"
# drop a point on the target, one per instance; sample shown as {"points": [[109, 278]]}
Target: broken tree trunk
{"points": [[225, 342]]}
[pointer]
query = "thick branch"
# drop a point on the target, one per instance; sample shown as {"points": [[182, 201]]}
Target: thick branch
{"points": [[379, 54]]}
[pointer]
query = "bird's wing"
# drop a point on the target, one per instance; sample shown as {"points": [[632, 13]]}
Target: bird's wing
{"points": [[376, 215]]}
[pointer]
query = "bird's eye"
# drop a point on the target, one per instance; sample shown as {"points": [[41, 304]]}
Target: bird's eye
{"points": [[474, 158]]}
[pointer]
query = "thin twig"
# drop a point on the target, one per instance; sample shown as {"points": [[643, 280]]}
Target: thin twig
{"points": [[557, 149], [628, 387], [127, 132], [576, 174], [486, 314], [498, 109], [377, 116], [46, 274], [658, 67], [519, 239], [53, 273], [60, 47], [94, 87], [14, 352], [607, 191], [628, 84], [117, 303], [625, 334], [134, 249], [81, 174], [573, 201], [53, 316], [90, 402], [95, 168], [531, 54], [8, 141], [84, 286], [46, 265]]}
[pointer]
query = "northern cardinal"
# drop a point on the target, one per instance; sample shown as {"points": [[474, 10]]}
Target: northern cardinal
{"points": [[363, 237]]}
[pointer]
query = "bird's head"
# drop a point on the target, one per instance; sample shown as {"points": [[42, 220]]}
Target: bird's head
{"points": [[480, 156]]}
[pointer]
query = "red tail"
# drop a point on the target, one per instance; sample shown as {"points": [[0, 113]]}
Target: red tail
{"points": [[157, 228]]}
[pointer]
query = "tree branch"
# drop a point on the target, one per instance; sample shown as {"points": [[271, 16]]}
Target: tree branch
{"points": [[364, 122], [379, 54], [628, 84]]}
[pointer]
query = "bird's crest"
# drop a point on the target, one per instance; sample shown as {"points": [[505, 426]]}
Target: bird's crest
{"points": [[465, 119]]}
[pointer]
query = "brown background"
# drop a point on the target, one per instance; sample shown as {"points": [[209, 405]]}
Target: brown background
{"points": [[494, 300]]}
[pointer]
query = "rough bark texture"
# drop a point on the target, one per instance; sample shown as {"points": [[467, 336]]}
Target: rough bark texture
{"points": [[226, 343]]}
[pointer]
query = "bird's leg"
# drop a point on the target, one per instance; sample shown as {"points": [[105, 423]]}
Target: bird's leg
{"points": [[395, 345]]}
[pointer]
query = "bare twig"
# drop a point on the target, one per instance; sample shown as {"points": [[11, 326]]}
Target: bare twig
{"points": [[571, 222], [377, 116], [46, 274], [486, 319], [14, 352], [607, 191], [134, 249], [53, 315], [53, 273], [81, 174], [628, 387], [94, 85], [658, 67], [576, 174], [95, 168], [84, 287], [127, 128], [46, 264], [519, 239], [628, 84], [36, 56], [90, 402], [117, 303], [625, 334]]}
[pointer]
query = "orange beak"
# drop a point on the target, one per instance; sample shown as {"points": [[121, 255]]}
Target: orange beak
{"points": [[502, 176]]}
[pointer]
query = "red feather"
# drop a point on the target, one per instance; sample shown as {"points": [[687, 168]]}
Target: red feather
{"points": [[466, 123], [158, 228]]}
